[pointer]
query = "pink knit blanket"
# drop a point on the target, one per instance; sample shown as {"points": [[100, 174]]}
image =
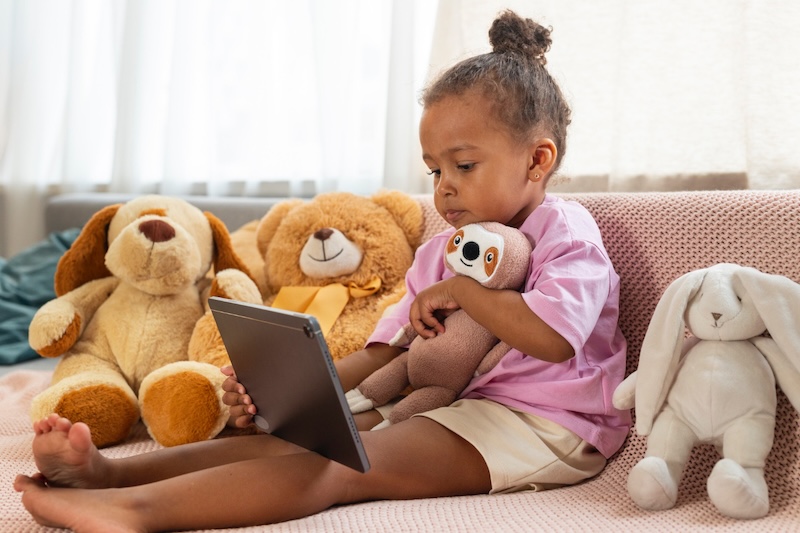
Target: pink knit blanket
{"points": [[601, 504]]}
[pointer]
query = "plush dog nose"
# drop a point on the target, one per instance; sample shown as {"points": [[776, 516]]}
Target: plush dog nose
{"points": [[471, 251], [323, 234], [157, 230], [716, 315]]}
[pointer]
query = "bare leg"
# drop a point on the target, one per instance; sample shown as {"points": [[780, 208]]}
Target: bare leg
{"points": [[416, 458], [66, 457]]}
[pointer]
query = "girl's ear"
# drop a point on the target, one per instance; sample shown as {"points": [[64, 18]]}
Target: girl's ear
{"points": [[543, 154]]}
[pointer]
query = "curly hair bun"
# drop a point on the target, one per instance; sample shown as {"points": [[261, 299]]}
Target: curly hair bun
{"points": [[512, 34]]}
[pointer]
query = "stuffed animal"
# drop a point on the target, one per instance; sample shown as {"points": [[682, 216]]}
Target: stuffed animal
{"points": [[717, 386], [439, 368], [339, 256], [129, 293]]}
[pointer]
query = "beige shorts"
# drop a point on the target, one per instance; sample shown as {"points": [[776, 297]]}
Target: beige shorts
{"points": [[522, 451]]}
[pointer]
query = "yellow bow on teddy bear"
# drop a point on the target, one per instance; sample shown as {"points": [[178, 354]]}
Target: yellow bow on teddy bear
{"points": [[325, 303]]}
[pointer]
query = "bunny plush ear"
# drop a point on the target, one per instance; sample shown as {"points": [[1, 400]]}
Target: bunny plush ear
{"points": [[85, 260], [661, 348], [777, 300]]}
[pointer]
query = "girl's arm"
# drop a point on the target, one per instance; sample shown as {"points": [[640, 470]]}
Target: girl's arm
{"points": [[351, 369], [354, 368], [503, 312]]}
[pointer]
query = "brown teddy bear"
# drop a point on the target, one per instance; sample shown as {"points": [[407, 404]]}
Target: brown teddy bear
{"points": [[439, 368], [349, 251], [130, 291]]}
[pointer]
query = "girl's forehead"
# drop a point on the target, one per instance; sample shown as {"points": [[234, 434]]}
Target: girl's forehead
{"points": [[459, 119], [458, 111], [470, 100]]}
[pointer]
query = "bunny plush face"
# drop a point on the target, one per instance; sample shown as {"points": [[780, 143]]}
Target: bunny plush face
{"points": [[722, 309]]}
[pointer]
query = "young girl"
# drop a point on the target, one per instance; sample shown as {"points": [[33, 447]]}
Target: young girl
{"points": [[492, 132]]}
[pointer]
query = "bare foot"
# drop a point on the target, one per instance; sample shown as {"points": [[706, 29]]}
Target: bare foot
{"points": [[79, 510], [65, 455]]}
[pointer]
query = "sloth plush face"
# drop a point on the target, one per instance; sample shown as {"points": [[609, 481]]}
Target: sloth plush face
{"points": [[494, 255]]}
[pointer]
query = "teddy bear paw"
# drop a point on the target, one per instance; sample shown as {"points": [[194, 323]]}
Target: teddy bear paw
{"points": [[357, 402], [738, 492], [651, 486]]}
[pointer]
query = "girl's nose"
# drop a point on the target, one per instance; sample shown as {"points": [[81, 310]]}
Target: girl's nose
{"points": [[445, 186]]}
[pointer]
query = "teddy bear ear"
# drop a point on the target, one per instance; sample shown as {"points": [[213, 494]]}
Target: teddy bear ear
{"points": [[224, 254], [405, 210], [269, 223], [85, 260]]}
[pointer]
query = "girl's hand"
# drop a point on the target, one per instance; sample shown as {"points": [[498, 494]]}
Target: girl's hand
{"points": [[236, 397], [431, 306]]}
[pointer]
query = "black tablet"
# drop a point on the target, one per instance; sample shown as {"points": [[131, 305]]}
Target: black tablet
{"points": [[283, 361]]}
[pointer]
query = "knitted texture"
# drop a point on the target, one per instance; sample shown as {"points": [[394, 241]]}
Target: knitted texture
{"points": [[652, 239]]}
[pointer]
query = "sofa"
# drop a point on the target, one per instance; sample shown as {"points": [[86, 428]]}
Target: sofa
{"points": [[652, 238]]}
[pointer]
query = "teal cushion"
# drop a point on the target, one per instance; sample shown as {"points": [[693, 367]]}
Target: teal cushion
{"points": [[26, 283]]}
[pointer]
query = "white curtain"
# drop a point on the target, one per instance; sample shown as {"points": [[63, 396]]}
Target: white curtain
{"points": [[666, 94], [291, 97], [235, 97]]}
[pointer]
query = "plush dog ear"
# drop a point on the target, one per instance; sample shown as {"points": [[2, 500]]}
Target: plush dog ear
{"points": [[661, 348], [224, 254], [85, 259], [777, 300]]}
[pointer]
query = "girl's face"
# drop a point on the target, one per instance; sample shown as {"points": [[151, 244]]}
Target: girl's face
{"points": [[480, 173]]}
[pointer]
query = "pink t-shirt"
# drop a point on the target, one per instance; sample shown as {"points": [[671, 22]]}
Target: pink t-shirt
{"points": [[573, 287]]}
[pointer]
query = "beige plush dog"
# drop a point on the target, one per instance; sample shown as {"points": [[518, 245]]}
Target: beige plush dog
{"points": [[717, 386], [129, 293], [439, 368]]}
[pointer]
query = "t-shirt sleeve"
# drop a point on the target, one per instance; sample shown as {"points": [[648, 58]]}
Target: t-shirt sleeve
{"points": [[571, 288], [427, 268]]}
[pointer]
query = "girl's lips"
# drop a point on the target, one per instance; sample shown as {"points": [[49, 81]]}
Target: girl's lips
{"points": [[452, 216]]}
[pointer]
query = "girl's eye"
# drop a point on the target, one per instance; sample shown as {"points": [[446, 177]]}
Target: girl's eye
{"points": [[434, 171], [466, 166]]}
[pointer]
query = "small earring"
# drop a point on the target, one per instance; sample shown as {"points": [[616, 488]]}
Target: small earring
{"points": [[536, 177]]}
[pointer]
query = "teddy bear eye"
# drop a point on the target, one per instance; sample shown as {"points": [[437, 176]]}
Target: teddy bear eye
{"points": [[457, 240], [490, 257]]}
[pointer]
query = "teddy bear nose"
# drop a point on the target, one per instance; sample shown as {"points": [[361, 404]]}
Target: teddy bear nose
{"points": [[323, 234], [471, 251], [716, 315], [157, 230]]}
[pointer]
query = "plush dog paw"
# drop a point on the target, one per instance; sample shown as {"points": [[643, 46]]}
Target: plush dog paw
{"points": [[650, 485], [182, 402], [738, 492], [357, 402], [54, 328], [109, 410], [235, 285]]}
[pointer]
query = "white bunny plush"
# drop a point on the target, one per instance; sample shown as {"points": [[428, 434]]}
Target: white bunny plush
{"points": [[716, 386]]}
